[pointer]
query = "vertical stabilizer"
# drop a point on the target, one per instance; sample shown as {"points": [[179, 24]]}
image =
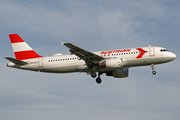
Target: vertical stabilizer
{"points": [[21, 49]]}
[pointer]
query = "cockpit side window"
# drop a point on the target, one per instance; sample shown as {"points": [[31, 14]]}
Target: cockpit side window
{"points": [[163, 50]]}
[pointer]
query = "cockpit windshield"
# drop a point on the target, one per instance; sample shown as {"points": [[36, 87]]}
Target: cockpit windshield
{"points": [[163, 50]]}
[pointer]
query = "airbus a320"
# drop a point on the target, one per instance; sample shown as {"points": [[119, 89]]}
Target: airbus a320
{"points": [[115, 63]]}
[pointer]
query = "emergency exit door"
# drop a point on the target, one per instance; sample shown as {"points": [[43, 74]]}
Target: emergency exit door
{"points": [[151, 51], [40, 62]]}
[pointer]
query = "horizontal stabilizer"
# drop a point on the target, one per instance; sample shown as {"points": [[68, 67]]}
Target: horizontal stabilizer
{"points": [[15, 61]]}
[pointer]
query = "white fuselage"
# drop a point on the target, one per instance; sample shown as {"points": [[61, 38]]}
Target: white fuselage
{"points": [[71, 63]]}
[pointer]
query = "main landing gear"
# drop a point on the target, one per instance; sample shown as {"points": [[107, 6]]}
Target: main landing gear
{"points": [[153, 71], [98, 79], [93, 74]]}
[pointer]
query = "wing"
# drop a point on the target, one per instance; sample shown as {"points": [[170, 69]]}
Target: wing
{"points": [[85, 55]]}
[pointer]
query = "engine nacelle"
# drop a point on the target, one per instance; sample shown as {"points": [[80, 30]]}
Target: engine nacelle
{"points": [[111, 63], [120, 73]]}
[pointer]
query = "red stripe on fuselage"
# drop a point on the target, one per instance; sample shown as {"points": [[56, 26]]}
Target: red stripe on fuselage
{"points": [[142, 52], [22, 55], [15, 38]]}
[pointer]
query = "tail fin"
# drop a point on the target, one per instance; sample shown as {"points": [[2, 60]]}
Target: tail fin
{"points": [[21, 49]]}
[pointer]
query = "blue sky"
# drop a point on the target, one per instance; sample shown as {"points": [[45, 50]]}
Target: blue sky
{"points": [[93, 25]]}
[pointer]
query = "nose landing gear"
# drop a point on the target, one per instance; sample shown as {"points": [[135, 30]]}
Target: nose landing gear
{"points": [[153, 71]]}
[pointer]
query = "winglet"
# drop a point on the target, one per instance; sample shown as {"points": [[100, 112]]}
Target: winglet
{"points": [[62, 43]]}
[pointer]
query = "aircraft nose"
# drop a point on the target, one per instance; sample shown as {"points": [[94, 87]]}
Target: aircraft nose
{"points": [[173, 56]]}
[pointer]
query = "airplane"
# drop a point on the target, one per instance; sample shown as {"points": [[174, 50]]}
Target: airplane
{"points": [[115, 63]]}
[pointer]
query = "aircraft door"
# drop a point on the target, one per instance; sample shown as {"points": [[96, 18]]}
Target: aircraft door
{"points": [[151, 51], [40, 62]]}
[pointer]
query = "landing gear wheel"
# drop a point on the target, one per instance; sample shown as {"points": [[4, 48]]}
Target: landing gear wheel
{"points": [[153, 72], [93, 74], [98, 80]]}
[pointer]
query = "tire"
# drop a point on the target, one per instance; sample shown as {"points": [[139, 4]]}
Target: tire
{"points": [[98, 80]]}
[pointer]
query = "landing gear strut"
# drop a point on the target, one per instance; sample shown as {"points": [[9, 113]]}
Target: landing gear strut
{"points": [[98, 79], [93, 73], [153, 71]]}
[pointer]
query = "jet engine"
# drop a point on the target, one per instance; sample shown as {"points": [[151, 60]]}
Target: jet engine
{"points": [[119, 73], [111, 63]]}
